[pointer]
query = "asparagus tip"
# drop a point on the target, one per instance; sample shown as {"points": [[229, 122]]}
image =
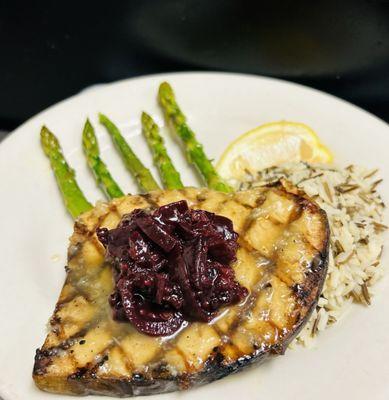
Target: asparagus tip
{"points": [[87, 127], [146, 118], [89, 141], [102, 117], [48, 140], [44, 131], [165, 89]]}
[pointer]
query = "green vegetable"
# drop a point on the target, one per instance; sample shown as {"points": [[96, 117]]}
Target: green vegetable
{"points": [[74, 199], [170, 176], [194, 149], [100, 171], [142, 175]]}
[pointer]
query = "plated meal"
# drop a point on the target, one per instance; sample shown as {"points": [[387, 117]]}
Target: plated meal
{"points": [[179, 286]]}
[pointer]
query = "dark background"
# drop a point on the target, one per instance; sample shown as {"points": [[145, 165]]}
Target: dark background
{"points": [[51, 50]]}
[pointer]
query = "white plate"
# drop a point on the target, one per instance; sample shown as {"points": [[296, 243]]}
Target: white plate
{"points": [[351, 359]]}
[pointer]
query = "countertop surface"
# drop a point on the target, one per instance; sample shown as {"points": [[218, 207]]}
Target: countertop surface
{"points": [[52, 50]]}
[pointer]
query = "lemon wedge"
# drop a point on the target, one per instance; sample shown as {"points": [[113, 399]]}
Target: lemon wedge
{"points": [[269, 145]]}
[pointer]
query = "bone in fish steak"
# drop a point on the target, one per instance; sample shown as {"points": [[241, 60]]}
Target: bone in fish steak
{"points": [[282, 260]]}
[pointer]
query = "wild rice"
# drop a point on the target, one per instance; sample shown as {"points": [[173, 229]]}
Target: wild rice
{"points": [[355, 213]]}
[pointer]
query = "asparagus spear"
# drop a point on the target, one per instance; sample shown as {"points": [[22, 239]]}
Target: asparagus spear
{"points": [[142, 175], [74, 199], [100, 171], [194, 149], [170, 176]]}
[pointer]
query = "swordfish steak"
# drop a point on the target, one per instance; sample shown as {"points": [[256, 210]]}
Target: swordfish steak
{"points": [[281, 260]]}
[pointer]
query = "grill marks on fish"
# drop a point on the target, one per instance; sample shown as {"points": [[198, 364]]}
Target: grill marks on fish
{"points": [[281, 260]]}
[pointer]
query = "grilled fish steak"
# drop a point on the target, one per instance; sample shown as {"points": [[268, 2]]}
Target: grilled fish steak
{"points": [[282, 260]]}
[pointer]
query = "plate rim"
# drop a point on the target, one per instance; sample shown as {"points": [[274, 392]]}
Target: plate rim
{"points": [[101, 86]]}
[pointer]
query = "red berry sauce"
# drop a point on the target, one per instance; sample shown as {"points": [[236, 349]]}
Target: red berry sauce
{"points": [[171, 265]]}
